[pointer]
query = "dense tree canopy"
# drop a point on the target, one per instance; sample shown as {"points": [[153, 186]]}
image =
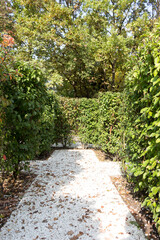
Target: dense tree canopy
{"points": [[6, 22], [81, 46], [85, 44]]}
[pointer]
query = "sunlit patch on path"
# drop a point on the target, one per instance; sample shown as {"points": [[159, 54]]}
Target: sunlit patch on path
{"points": [[72, 198]]}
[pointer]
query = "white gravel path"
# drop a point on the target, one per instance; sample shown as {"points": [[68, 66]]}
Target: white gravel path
{"points": [[72, 198]]}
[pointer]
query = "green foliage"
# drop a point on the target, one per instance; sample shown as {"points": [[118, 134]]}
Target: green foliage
{"points": [[71, 107], [31, 119], [54, 125], [62, 126], [6, 72], [96, 120], [46, 134], [6, 17], [109, 122], [88, 120], [143, 125], [25, 94], [83, 46]]}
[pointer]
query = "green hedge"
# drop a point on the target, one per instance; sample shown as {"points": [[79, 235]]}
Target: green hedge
{"points": [[143, 124], [25, 93], [88, 120], [109, 129], [31, 119], [96, 120]]}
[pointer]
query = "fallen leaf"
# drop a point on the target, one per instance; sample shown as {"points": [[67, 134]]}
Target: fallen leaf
{"points": [[49, 226], [35, 212], [70, 233], [35, 238], [45, 221], [109, 225], [99, 210], [80, 234], [77, 236]]}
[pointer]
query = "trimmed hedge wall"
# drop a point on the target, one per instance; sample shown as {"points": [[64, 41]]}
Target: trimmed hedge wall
{"points": [[96, 120], [142, 97]]}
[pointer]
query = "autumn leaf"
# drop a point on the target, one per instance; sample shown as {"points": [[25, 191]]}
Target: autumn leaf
{"points": [[99, 210], [77, 236], [49, 226], [70, 233], [35, 238]]}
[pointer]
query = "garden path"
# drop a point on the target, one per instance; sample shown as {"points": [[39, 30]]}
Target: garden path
{"points": [[72, 198]]}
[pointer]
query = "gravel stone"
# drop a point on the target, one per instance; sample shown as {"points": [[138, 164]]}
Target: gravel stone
{"points": [[72, 198]]}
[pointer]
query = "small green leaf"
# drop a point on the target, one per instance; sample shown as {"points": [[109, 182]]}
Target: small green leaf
{"points": [[155, 190], [158, 209], [138, 173], [158, 140]]}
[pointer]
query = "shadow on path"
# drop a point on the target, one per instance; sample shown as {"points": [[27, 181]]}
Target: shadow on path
{"points": [[49, 210], [71, 198]]}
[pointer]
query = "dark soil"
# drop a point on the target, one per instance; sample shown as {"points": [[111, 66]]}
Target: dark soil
{"points": [[142, 215], [15, 189], [12, 194], [45, 155]]}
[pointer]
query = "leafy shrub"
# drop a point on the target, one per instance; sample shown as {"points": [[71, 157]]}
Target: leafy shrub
{"points": [[26, 96], [143, 125], [96, 120], [88, 120], [62, 125], [46, 132], [71, 107], [54, 125], [31, 119], [6, 73], [109, 122]]}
